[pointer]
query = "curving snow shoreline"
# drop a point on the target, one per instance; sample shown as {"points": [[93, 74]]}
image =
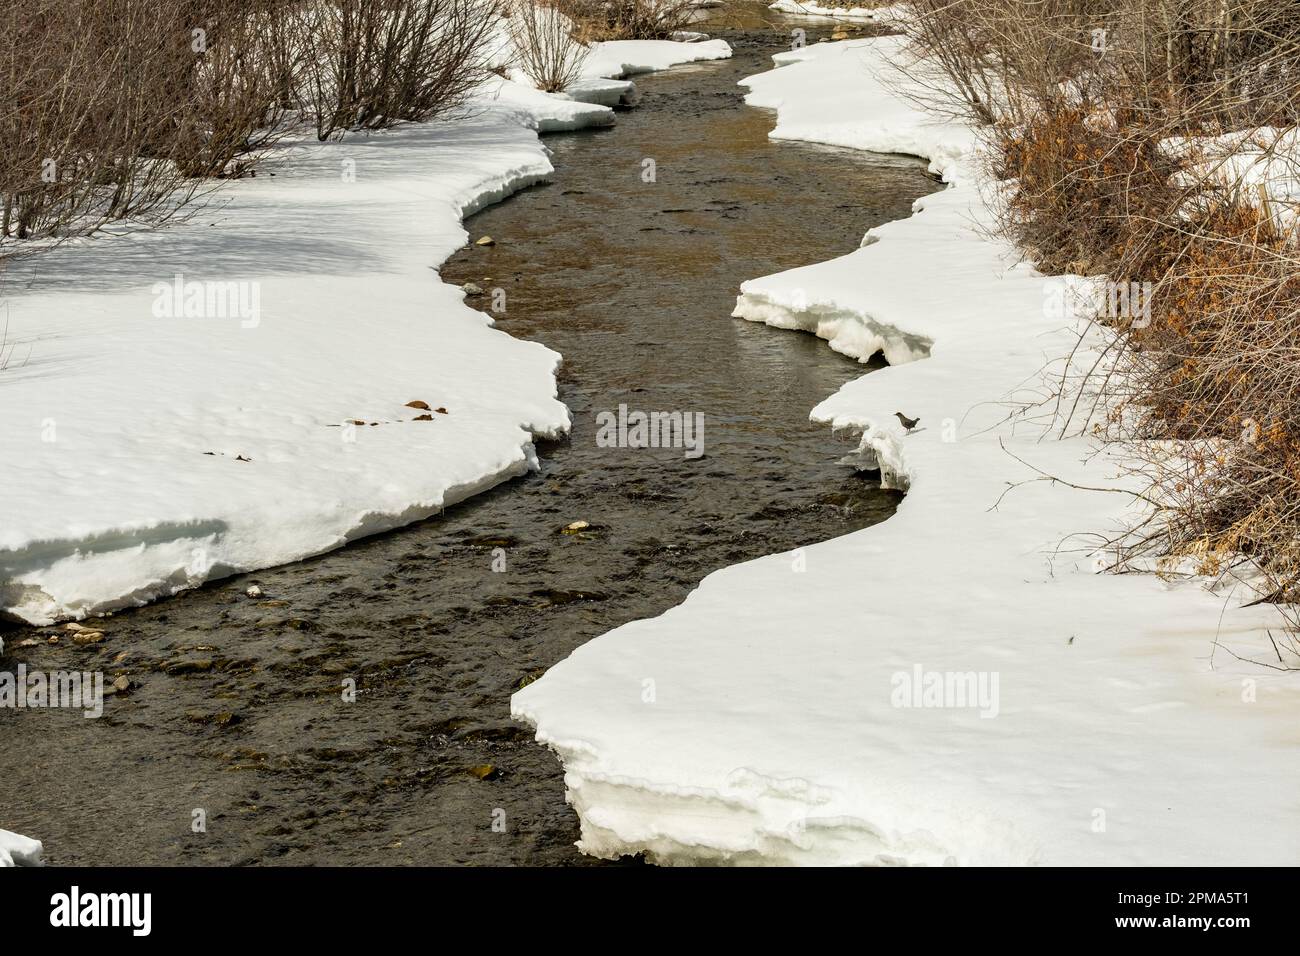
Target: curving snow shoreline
{"points": [[782, 714], [153, 444], [18, 850]]}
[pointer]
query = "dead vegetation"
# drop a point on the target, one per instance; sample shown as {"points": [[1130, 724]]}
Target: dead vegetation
{"points": [[125, 110], [549, 52], [628, 19], [370, 64], [1146, 141]]}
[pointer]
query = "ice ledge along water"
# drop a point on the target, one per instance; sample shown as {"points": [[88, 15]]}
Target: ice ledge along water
{"points": [[18, 850], [763, 720], [151, 454]]}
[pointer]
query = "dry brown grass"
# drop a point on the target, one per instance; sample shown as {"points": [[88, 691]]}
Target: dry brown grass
{"points": [[87, 132], [1207, 395]]}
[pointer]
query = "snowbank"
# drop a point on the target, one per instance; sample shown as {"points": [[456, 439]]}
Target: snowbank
{"points": [[882, 14], [1262, 164], [233, 393], [18, 850], [954, 685], [624, 58], [630, 57]]}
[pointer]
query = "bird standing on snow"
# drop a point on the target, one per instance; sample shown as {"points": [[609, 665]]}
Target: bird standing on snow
{"points": [[908, 423]]}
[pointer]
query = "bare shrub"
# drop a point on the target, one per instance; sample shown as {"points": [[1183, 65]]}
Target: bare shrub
{"points": [[373, 63], [543, 41], [1188, 64], [233, 92], [1211, 391], [628, 19], [1086, 191], [120, 109], [87, 134], [1108, 122]]}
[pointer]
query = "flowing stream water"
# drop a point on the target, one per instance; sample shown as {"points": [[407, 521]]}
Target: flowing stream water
{"points": [[236, 718]]}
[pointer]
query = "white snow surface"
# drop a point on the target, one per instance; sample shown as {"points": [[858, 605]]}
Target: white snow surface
{"points": [[120, 463], [757, 722], [630, 57], [18, 850], [885, 14], [1262, 164]]}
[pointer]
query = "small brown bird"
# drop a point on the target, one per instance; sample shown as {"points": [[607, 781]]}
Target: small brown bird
{"points": [[908, 423]]}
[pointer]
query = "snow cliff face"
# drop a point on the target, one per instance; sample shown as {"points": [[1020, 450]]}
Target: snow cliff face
{"points": [[955, 685], [18, 850]]}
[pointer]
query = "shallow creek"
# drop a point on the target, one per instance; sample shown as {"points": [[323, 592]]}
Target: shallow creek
{"points": [[235, 707]]}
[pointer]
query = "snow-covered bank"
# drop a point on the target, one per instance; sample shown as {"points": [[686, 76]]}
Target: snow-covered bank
{"points": [[234, 392], [18, 850], [630, 57], [954, 685], [883, 14]]}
